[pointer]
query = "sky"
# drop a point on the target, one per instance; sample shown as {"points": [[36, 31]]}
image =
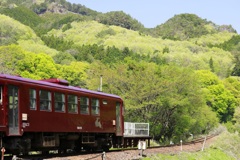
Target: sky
{"points": [[155, 12]]}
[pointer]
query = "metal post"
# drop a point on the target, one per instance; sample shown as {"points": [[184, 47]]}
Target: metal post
{"points": [[181, 144], [2, 150], [100, 83], [204, 142]]}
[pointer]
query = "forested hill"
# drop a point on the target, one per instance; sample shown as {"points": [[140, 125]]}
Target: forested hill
{"points": [[179, 27], [181, 76]]}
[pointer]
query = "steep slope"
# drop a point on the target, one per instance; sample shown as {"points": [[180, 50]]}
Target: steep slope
{"points": [[23, 15], [14, 32]]}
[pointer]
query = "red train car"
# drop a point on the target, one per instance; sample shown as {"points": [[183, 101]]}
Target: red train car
{"points": [[50, 114]]}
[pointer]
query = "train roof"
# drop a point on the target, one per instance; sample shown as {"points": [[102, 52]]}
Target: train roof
{"points": [[59, 83]]}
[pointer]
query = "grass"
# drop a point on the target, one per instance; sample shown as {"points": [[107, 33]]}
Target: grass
{"points": [[209, 154], [225, 147]]}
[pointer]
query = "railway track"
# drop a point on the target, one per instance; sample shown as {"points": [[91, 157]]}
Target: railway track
{"points": [[124, 153]]}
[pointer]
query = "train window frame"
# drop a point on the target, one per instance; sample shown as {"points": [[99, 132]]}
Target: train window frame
{"points": [[72, 103], [45, 102], [32, 99], [59, 102], [84, 105], [95, 106], [1, 94]]}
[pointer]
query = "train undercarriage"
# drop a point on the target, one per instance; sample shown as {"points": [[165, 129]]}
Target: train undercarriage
{"points": [[62, 142]]}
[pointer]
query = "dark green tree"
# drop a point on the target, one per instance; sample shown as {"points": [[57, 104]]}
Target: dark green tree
{"points": [[181, 27], [119, 18], [211, 64]]}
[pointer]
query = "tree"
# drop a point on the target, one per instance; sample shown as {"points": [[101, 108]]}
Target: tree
{"points": [[211, 64], [182, 27], [9, 58], [75, 73], [63, 58], [119, 18], [37, 66], [218, 97], [168, 97]]}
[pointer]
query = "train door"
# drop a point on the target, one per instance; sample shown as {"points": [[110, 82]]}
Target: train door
{"points": [[13, 110], [2, 117], [118, 119]]}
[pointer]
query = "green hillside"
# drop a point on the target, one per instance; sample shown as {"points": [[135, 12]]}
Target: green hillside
{"points": [[14, 32], [186, 26], [182, 76], [182, 53]]}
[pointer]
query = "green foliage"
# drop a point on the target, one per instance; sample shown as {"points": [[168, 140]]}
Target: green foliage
{"points": [[9, 59], [57, 43], [233, 85], [181, 27], [39, 66], [103, 33], [119, 18], [168, 97], [227, 28], [11, 31], [209, 154], [36, 47], [221, 101], [23, 15], [218, 97], [166, 50], [225, 147], [212, 40], [63, 58], [39, 8], [57, 21], [152, 75], [78, 8], [211, 64], [75, 73], [231, 43], [9, 3], [182, 53], [66, 27], [110, 55], [229, 143]]}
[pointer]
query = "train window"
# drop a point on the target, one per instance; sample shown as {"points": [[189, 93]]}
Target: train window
{"points": [[72, 104], [84, 105], [32, 93], [1, 93], [95, 106], [59, 102], [45, 100]]}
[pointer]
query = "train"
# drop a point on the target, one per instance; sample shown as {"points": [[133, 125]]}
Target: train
{"points": [[50, 114]]}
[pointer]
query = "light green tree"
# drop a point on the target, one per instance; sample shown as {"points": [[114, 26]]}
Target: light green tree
{"points": [[218, 97], [168, 97]]}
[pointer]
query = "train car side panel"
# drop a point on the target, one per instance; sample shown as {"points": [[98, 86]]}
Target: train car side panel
{"points": [[2, 109]]}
